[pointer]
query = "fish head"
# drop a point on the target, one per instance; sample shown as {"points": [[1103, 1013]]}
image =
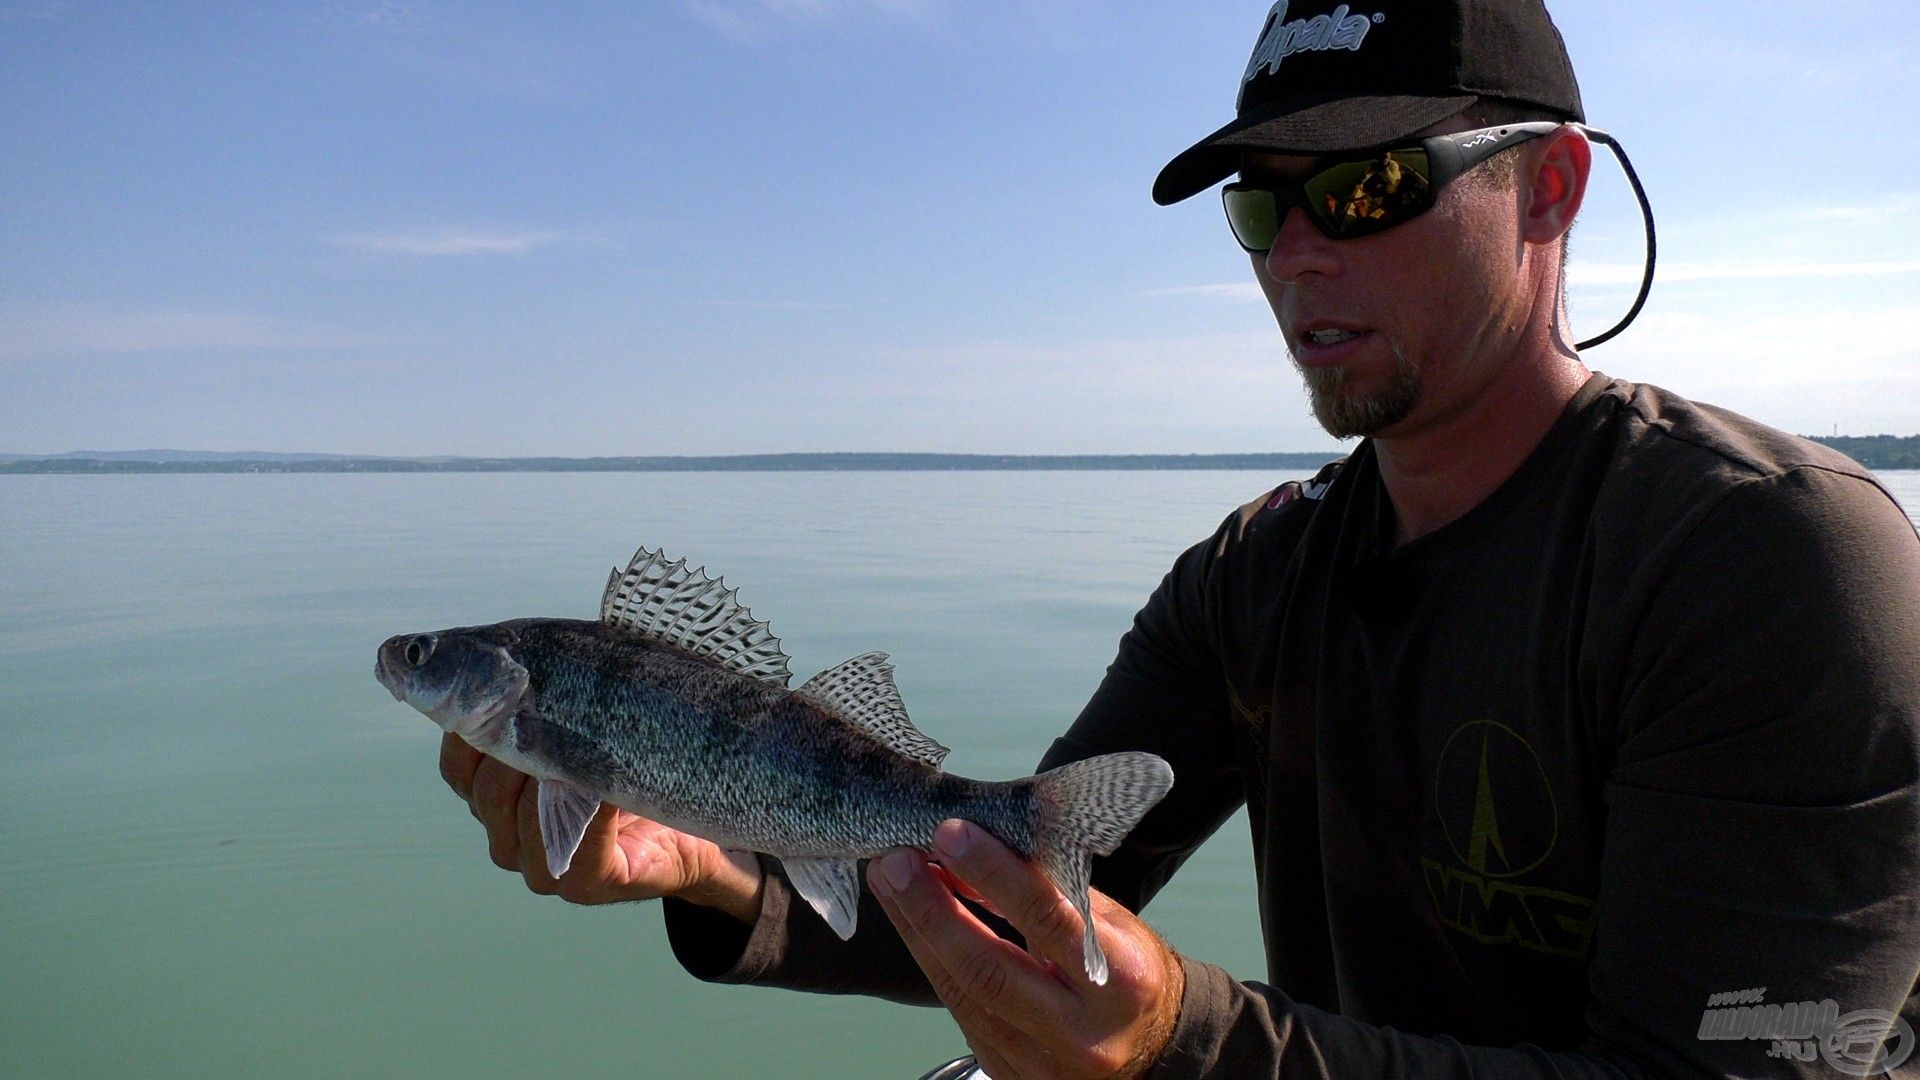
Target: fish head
{"points": [[465, 679]]}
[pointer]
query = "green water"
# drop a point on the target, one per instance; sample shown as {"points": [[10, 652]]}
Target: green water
{"points": [[227, 850]]}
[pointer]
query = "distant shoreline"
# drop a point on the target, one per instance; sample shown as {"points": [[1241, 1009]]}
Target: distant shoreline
{"points": [[70, 465], [1873, 451]]}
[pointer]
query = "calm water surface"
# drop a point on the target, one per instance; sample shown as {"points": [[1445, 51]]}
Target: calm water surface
{"points": [[228, 852]]}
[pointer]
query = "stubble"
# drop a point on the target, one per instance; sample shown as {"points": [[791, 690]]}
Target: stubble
{"points": [[1346, 413]]}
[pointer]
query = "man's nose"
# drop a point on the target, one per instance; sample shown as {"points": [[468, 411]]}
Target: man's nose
{"points": [[1300, 249]]}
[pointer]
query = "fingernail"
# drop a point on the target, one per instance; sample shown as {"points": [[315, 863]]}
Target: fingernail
{"points": [[897, 868], [951, 839]]}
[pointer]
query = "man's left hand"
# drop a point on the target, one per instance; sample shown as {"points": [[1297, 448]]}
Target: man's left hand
{"points": [[1032, 1014]]}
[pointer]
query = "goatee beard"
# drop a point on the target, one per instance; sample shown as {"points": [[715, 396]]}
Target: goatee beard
{"points": [[1346, 414]]}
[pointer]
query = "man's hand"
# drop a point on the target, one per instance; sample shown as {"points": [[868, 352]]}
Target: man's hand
{"points": [[1029, 1014], [622, 856]]}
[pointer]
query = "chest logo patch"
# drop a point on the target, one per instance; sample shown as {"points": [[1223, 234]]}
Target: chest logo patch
{"points": [[1500, 821], [1494, 802]]}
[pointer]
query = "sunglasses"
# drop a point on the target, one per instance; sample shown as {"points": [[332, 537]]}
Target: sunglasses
{"points": [[1370, 193]]}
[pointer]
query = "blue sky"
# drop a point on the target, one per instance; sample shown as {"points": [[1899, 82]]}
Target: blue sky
{"points": [[730, 226]]}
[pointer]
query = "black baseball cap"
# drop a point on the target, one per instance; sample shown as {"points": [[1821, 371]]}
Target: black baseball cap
{"points": [[1330, 77]]}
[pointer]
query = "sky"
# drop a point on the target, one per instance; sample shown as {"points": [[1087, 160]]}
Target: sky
{"points": [[750, 226]]}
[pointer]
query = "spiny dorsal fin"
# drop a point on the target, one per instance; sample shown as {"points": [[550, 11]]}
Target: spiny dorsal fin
{"points": [[861, 692], [667, 602]]}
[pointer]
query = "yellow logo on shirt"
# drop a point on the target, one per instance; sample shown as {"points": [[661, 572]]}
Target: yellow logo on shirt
{"points": [[1498, 814]]}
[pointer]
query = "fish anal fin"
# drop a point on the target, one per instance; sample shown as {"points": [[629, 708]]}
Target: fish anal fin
{"points": [[831, 887], [861, 692], [565, 812], [661, 599]]}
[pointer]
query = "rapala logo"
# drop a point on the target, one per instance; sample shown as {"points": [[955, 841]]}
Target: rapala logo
{"points": [[1335, 30]]}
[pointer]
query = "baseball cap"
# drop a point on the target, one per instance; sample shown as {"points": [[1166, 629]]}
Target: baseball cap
{"points": [[1329, 77]]}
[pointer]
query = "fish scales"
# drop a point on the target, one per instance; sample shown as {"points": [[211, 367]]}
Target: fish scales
{"points": [[674, 705], [670, 735]]}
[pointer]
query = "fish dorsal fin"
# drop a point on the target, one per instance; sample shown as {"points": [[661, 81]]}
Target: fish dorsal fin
{"points": [[861, 692], [667, 602]]}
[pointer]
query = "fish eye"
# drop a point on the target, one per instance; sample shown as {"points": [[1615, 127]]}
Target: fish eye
{"points": [[418, 650]]}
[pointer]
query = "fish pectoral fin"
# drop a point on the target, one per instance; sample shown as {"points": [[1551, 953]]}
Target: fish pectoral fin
{"points": [[565, 812], [832, 886]]}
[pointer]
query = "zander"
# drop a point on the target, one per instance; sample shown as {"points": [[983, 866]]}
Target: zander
{"points": [[674, 705]]}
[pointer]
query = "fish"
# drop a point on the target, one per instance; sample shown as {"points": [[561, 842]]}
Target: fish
{"points": [[674, 704]]}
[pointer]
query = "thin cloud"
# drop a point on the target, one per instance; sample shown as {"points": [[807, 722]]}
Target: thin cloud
{"points": [[398, 15], [1232, 290], [748, 20], [1892, 208], [1822, 227], [728, 22], [778, 305], [1752, 343], [32, 12], [44, 331], [1851, 368], [507, 51], [1738, 58], [1230, 391], [1629, 273], [453, 242], [1594, 274]]}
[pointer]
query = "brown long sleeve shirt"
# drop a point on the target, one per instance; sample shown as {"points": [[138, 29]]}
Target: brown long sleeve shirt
{"points": [[1580, 784]]}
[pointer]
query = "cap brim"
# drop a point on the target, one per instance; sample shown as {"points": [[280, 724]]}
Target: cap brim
{"points": [[1302, 125]]}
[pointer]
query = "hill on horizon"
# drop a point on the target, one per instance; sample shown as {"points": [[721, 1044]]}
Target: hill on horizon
{"points": [[1873, 451]]}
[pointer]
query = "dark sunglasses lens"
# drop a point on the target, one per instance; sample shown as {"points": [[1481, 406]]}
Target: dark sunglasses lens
{"points": [[1351, 198], [1255, 217], [1354, 198]]}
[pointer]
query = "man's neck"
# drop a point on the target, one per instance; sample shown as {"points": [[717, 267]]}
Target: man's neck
{"points": [[1444, 469]]}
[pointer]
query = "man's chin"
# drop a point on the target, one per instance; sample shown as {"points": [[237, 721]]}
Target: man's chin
{"points": [[1346, 414]]}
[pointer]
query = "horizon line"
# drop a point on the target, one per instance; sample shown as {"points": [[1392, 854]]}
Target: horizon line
{"points": [[127, 462], [170, 455], [1871, 451]]}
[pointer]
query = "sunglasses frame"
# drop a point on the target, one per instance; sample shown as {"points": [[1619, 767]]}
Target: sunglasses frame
{"points": [[1448, 156]]}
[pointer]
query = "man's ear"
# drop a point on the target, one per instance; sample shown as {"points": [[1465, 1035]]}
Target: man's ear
{"points": [[1553, 184]]}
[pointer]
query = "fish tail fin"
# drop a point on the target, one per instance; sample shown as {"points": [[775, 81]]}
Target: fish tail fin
{"points": [[1085, 809]]}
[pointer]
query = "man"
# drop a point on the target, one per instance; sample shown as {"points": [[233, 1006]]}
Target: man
{"points": [[1578, 724]]}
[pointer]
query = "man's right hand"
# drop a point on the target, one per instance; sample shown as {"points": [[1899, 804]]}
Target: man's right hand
{"points": [[623, 856]]}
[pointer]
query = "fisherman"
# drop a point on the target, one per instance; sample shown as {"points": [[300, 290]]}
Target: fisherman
{"points": [[1578, 723]]}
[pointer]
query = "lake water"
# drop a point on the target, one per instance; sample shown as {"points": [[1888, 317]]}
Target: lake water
{"points": [[227, 849]]}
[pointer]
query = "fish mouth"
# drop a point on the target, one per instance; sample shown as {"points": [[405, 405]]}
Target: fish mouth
{"points": [[388, 669]]}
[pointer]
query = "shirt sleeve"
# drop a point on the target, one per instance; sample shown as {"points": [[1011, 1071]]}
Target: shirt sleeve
{"points": [[1763, 811], [791, 946], [1251, 1030]]}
